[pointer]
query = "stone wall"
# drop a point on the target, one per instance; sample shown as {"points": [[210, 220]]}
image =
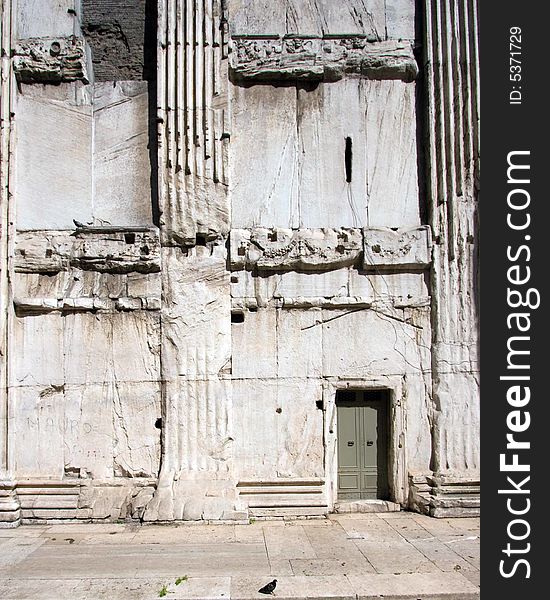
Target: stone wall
{"points": [[179, 357], [121, 34]]}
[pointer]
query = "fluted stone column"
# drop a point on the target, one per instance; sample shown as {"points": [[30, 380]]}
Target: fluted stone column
{"points": [[196, 468], [9, 503], [452, 128]]}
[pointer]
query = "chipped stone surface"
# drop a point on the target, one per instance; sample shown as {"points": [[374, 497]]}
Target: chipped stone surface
{"points": [[280, 249], [287, 249], [397, 249], [190, 280], [302, 58], [50, 60], [101, 249]]}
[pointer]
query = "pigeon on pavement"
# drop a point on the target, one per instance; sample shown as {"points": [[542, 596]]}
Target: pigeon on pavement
{"points": [[268, 589]]}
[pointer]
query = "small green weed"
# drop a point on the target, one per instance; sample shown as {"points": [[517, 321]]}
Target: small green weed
{"points": [[181, 579]]}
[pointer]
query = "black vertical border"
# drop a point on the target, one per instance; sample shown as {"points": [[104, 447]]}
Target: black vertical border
{"points": [[506, 128]]}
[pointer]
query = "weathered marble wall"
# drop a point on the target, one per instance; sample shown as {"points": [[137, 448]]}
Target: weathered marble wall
{"points": [[177, 318]]}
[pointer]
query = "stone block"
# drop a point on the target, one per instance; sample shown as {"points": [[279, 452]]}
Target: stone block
{"points": [[279, 249], [146, 286], [397, 249], [400, 19], [254, 345], [299, 343], [40, 354], [277, 429], [197, 312], [391, 159], [54, 142], [315, 18], [36, 18], [355, 170], [258, 110], [88, 437], [403, 287], [122, 172], [37, 415], [136, 434], [111, 347], [326, 285]]}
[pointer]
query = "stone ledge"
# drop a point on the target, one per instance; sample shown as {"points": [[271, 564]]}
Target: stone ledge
{"points": [[100, 249], [322, 249], [397, 248], [10, 507], [366, 506], [272, 58], [25, 306], [444, 496], [51, 60], [286, 497]]}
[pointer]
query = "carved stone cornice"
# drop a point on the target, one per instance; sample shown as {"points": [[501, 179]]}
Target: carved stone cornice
{"points": [[375, 249], [101, 249], [397, 248], [294, 249], [50, 60], [271, 57]]}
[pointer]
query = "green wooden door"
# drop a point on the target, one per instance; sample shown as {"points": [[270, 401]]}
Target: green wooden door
{"points": [[362, 444]]}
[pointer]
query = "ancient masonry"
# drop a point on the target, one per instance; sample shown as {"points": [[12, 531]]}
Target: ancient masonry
{"points": [[215, 276]]}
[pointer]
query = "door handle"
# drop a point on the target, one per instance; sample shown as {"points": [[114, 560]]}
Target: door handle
{"points": [[351, 443], [370, 443]]}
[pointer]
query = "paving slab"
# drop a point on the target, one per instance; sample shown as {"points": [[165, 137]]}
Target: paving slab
{"points": [[336, 587], [330, 566], [87, 528], [410, 529], [403, 557], [472, 576], [214, 534], [198, 588], [203, 588], [465, 524], [427, 586], [144, 560], [372, 530], [468, 548], [29, 531], [249, 533], [16, 550], [30, 589], [436, 527], [396, 557], [290, 542], [65, 539], [443, 556], [124, 537], [280, 567]]}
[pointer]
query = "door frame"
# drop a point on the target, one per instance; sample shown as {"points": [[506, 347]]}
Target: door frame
{"points": [[397, 468]]}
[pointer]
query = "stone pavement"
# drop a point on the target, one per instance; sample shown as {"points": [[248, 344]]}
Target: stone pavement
{"points": [[396, 556]]}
